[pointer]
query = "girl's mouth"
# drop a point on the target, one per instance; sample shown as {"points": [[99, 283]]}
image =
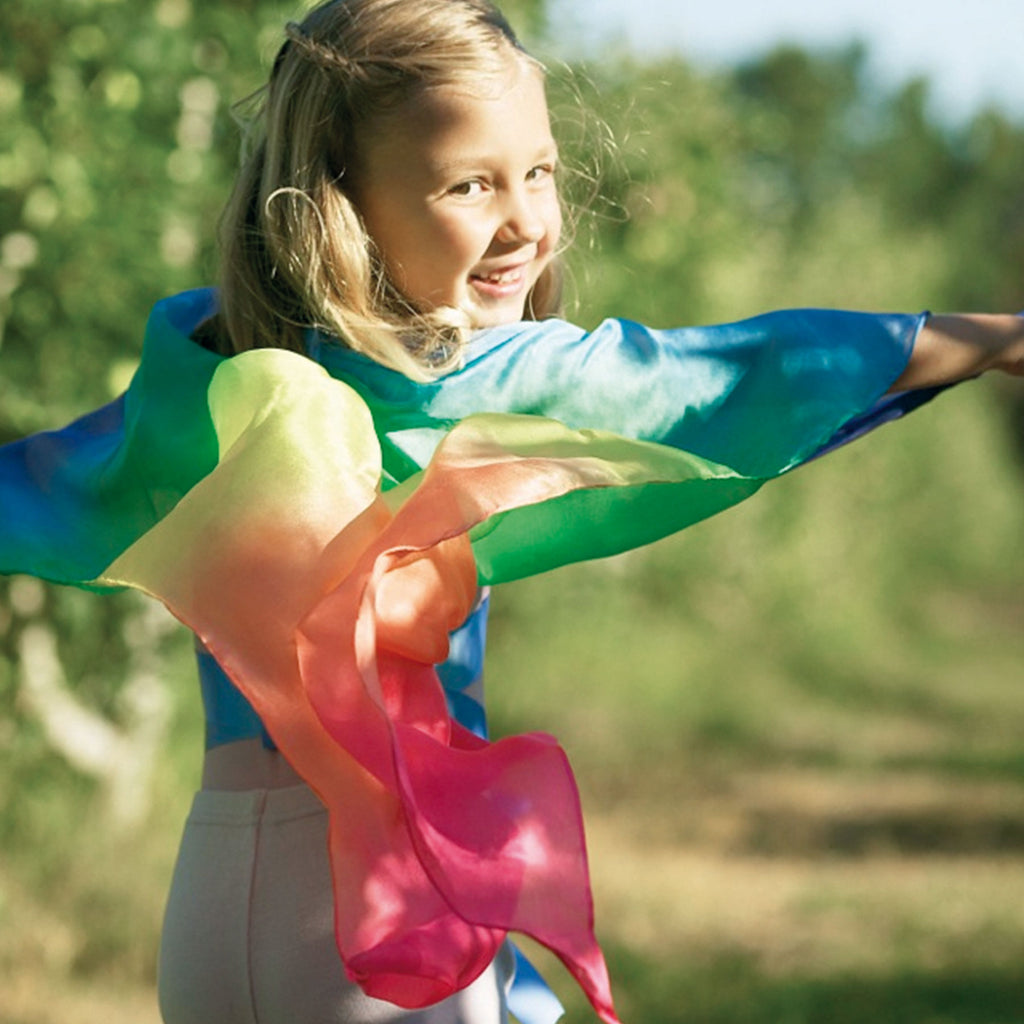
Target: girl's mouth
{"points": [[500, 283]]}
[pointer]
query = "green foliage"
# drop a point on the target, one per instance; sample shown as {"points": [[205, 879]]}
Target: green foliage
{"points": [[791, 182], [117, 153]]}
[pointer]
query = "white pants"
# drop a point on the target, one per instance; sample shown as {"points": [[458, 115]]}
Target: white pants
{"points": [[248, 934]]}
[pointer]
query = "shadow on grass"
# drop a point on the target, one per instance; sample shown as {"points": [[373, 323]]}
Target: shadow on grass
{"points": [[730, 990], [945, 831]]}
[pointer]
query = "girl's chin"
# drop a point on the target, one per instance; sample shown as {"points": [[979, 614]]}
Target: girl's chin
{"points": [[480, 323], [495, 314]]}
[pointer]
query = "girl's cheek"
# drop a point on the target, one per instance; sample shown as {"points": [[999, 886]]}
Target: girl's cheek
{"points": [[457, 231], [554, 221]]}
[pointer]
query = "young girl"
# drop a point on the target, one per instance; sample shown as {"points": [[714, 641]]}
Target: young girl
{"points": [[320, 468]]}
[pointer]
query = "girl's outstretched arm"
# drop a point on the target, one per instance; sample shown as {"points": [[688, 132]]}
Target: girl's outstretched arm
{"points": [[951, 347]]}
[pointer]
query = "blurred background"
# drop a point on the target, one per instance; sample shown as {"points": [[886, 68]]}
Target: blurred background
{"points": [[798, 728]]}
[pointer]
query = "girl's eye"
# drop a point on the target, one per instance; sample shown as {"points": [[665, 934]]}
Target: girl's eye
{"points": [[467, 189], [540, 172]]}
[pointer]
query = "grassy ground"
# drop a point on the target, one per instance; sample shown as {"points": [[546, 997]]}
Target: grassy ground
{"points": [[802, 900], [789, 896], [813, 898]]}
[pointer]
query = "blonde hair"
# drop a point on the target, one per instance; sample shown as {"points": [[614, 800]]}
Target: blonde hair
{"points": [[294, 251]]}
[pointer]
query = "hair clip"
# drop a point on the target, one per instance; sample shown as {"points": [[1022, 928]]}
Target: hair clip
{"points": [[321, 54], [296, 33]]}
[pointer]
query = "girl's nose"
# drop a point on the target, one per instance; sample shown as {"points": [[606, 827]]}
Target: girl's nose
{"points": [[523, 220]]}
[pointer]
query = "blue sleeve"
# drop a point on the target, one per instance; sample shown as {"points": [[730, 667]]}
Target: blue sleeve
{"points": [[759, 395], [71, 500]]}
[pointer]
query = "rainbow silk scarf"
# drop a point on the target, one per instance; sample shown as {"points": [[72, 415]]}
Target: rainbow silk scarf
{"points": [[322, 524]]}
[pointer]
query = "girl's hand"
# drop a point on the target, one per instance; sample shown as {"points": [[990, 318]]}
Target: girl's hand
{"points": [[952, 347]]}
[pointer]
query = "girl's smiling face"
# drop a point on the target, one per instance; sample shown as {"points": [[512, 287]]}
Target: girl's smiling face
{"points": [[457, 190]]}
